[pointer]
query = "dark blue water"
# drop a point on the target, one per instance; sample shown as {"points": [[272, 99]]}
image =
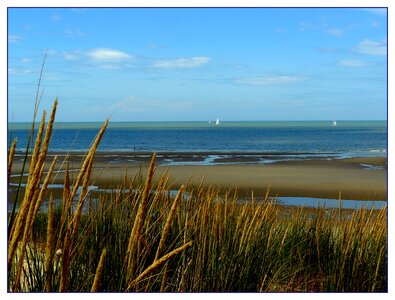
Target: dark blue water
{"points": [[348, 137]]}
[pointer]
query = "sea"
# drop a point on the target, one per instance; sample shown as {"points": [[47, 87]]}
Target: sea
{"points": [[346, 139], [206, 143]]}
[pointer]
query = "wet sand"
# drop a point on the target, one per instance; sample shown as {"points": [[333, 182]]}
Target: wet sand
{"points": [[321, 178]]}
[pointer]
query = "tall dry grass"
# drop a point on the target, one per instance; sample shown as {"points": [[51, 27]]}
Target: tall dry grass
{"points": [[141, 238]]}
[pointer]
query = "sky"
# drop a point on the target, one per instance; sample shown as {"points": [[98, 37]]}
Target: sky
{"points": [[169, 64]]}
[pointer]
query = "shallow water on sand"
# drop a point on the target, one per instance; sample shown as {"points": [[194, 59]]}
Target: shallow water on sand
{"points": [[330, 203], [284, 201]]}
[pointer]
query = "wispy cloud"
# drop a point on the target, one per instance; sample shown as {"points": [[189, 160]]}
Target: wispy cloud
{"points": [[51, 52], [376, 11], [337, 32], [304, 26], [269, 80], [106, 54], [25, 60], [73, 33], [368, 47], [182, 63], [20, 72], [375, 24], [372, 47], [132, 104], [14, 38], [352, 63], [71, 56]]}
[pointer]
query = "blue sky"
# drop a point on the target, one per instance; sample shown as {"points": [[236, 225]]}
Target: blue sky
{"points": [[199, 64]]}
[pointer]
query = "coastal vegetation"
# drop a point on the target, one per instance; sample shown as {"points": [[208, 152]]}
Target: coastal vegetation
{"points": [[143, 238]]}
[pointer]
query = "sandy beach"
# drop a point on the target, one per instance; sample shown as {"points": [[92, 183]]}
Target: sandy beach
{"points": [[362, 178]]}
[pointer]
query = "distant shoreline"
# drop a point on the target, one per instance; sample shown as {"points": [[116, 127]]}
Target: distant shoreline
{"points": [[357, 178]]}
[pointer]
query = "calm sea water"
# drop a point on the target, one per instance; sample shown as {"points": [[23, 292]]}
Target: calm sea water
{"points": [[348, 138]]}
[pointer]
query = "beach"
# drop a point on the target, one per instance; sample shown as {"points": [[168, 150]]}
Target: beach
{"points": [[357, 178]]}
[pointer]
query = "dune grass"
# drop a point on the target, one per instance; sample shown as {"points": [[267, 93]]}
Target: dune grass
{"points": [[140, 238]]}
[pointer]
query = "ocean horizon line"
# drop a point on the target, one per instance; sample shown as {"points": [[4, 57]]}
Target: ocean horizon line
{"points": [[208, 120], [202, 124]]}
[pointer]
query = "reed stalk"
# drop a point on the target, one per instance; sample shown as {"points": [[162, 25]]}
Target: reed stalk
{"points": [[138, 223], [98, 274], [64, 281], [87, 161], [11, 159], [161, 261], [49, 247], [43, 189], [169, 221]]}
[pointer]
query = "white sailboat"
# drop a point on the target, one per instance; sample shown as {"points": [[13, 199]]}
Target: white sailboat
{"points": [[334, 123], [217, 122]]}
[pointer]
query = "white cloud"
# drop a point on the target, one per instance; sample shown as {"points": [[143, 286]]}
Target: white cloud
{"points": [[20, 72], [105, 54], [375, 24], [73, 33], [114, 66], [372, 47], [269, 80], [129, 104], [182, 63], [305, 26], [14, 39], [351, 63], [104, 58], [376, 11], [51, 52], [335, 32], [70, 56]]}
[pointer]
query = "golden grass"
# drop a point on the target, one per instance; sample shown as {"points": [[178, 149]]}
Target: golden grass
{"points": [[85, 172], [11, 159], [27, 212], [135, 234], [98, 274], [158, 263], [169, 222], [49, 248], [65, 261]]}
